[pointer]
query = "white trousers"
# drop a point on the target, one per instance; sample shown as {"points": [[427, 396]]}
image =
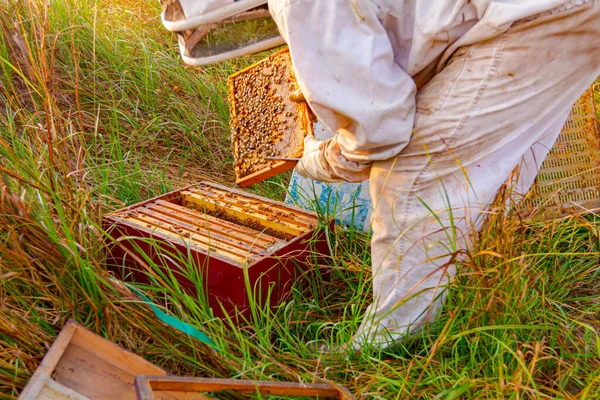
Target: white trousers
{"points": [[495, 105]]}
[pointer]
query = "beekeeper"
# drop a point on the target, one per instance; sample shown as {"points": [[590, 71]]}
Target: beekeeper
{"points": [[437, 103]]}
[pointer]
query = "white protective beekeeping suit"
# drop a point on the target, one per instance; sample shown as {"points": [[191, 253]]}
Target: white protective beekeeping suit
{"points": [[436, 102]]}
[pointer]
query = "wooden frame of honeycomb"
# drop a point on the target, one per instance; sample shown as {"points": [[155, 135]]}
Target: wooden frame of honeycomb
{"points": [[265, 122]]}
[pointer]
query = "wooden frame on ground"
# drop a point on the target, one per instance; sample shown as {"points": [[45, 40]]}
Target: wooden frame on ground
{"points": [[178, 388], [89, 365]]}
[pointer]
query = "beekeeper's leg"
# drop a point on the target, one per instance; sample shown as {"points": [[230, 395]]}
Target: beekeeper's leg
{"points": [[475, 121]]}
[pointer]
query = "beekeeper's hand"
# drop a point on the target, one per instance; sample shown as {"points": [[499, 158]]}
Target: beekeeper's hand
{"points": [[309, 165]]}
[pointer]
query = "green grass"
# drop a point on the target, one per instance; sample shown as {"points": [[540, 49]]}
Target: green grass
{"points": [[97, 111]]}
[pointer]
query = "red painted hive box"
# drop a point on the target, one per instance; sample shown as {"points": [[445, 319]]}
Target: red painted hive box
{"points": [[213, 234]]}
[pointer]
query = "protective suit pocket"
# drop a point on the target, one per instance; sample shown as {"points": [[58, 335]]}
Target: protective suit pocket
{"points": [[432, 96]]}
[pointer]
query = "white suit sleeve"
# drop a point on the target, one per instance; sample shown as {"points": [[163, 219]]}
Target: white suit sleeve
{"points": [[345, 67]]}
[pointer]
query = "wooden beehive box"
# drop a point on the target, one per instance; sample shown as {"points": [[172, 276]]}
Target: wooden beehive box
{"points": [[81, 363], [180, 388], [221, 233], [264, 121]]}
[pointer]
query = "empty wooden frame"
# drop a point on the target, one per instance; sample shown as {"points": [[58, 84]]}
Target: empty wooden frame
{"points": [[180, 388], [82, 362]]}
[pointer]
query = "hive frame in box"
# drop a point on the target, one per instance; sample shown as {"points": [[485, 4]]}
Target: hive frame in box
{"points": [[89, 365], [568, 181], [304, 115], [210, 244], [178, 387]]}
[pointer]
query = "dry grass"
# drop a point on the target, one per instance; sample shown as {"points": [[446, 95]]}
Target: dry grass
{"points": [[96, 112]]}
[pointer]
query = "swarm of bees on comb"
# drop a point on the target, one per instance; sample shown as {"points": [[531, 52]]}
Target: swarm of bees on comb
{"points": [[265, 121]]}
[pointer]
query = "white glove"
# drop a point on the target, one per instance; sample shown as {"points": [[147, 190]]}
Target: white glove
{"points": [[309, 165]]}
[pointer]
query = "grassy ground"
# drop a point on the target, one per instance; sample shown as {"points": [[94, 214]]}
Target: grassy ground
{"points": [[98, 112]]}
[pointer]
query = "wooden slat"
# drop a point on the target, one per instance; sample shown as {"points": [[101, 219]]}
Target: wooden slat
{"points": [[227, 228], [266, 173], [148, 386], [153, 226], [144, 391], [213, 237], [240, 213], [213, 189], [302, 221]]}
